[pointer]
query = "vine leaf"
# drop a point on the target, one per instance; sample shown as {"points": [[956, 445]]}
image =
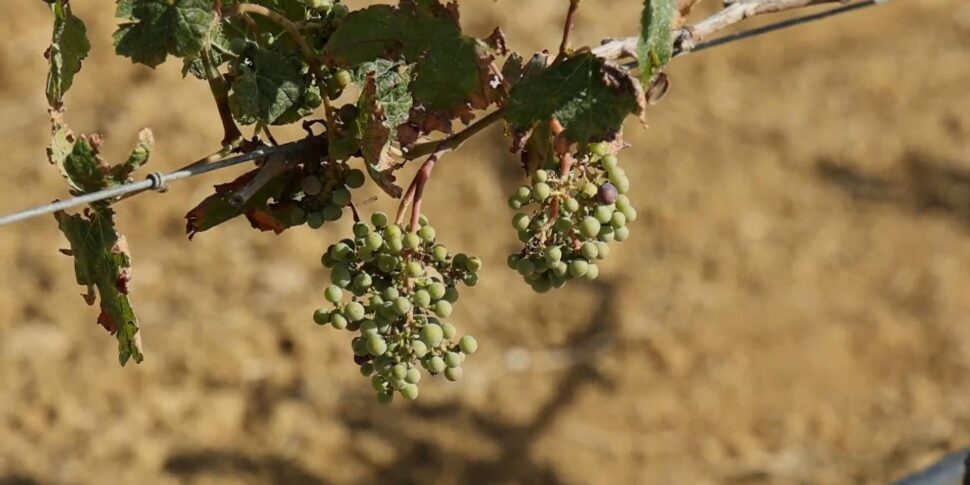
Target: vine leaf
{"points": [[375, 132], [69, 46], [157, 28], [101, 257], [102, 261], [259, 209], [267, 87], [453, 74], [587, 95], [656, 45]]}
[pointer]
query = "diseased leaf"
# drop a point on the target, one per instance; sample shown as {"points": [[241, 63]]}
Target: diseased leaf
{"points": [[102, 261], [217, 208], [656, 45], [267, 87], [375, 137], [69, 46], [157, 28], [79, 159], [452, 73], [588, 96], [391, 82]]}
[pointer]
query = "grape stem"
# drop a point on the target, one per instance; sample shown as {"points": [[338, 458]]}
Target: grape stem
{"points": [[568, 28], [421, 179], [220, 92]]}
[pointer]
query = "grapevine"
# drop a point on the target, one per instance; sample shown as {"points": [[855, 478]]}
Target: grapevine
{"points": [[375, 89]]}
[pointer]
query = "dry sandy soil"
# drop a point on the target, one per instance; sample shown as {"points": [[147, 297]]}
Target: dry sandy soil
{"points": [[792, 306]]}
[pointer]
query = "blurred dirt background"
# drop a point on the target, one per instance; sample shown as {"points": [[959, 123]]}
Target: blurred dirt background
{"points": [[792, 306]]}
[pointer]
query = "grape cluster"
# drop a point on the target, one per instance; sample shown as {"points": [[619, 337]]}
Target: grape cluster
{"points": [[574, 218], [327, 192], [396, 289]]}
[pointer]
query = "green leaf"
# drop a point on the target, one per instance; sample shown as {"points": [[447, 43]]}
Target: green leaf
{"points": [[69, 46], [267, 87], [452, 72], [158, 28], [588, 96], [391, 83], [656, 45], [102, 261], [218, 208]]}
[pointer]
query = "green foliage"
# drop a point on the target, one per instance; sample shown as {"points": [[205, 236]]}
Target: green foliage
{"points": [[268, 86], [69, 46], [102, 261], [588, 96], [156, 28], [656, 44]]}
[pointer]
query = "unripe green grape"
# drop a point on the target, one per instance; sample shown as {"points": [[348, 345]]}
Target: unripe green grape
{"points": [[552, 254], [590, 190], [340, 196], [402, 305], [398, 384], [603, 213], [342, 78], [419, 348], [448, 330], [315, 220], [541, 266], [362, 281], [525, 236], [461, 260], [621, 233], [332, 213], [311, 185], [451, 294], [443, 309], [618, 220], [368, 328], [559, 269], [571, 205], [373, 241], [606, 234], [355, 179], [602, 249], [523, 193], [413, 376], [609, 162], [394, 245], [589, 227], [520, 221], [427, 233], [588, 250], [340, 275], [348, 113], [391, 293], [470, 279], [557, 281], [525, 267], [237, 45], [592, 272], [578, 267], [422, 299], [436, 290], [392, 231], [432, 334], [540, 176], [453, 373], [386, 396], [563, 225], [630, 213], [398, 371], [338, 321], [514, 203], [440, 253], [412, 241], [435, 365], [541, 191], [376, 345], [339, 11], [378, 219], [366, 369], [327, 260], [386, 263], [452, 359], [354, 311], [378, 383], [321, 316], [333, 293], [599, 149], [414, 269], [340, 251], [623, 185], [512, 261], [410, 392], [541, 285], [468, 344], [622, 201]]}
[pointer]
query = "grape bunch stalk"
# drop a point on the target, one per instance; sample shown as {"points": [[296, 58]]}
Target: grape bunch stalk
{"points": [[577, 210], [401, 288]]}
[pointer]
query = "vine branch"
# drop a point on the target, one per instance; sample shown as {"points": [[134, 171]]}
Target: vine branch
{"points": [[291, 28]]}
